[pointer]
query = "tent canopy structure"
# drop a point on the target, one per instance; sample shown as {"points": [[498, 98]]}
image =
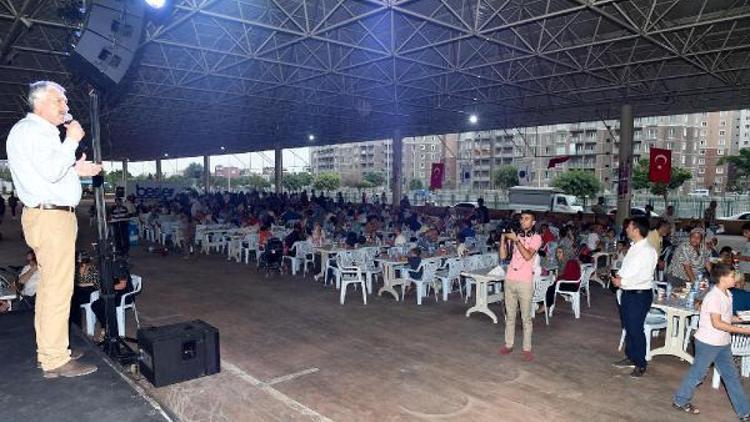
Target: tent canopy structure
{"points": [[251, 75]]}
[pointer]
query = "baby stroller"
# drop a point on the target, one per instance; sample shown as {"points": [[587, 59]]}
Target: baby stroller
{"points": [[271, 256]]}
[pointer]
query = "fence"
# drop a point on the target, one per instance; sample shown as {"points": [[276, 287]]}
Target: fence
{"points": [[685, 206]]}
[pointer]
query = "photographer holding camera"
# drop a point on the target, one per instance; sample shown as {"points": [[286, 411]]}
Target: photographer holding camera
{"points": [[519, 280]]}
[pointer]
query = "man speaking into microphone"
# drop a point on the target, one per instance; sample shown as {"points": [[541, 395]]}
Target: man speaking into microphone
{"points": [[46, 176]]}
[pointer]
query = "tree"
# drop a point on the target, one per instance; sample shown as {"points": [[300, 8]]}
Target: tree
{"points": [[375, 179], [416, 184], [327, 181], [193, 171], [741, 165], [253, 181], [114, 178], [296, 181], [640, 180], [5, 174], [506, 177], [580, 183]]}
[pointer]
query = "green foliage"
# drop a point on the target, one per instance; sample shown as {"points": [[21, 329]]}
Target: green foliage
{"points": [[506, 177], [296, 181], [640, 179], [192, 170], [114, 178], [327, 181], [416, 184], [253, 181], [580, 183], [364, 184], [741, 165], [374, 179], [5, 174]]}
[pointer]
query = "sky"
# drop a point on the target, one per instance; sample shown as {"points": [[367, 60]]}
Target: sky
{"points": [[294, 159]]}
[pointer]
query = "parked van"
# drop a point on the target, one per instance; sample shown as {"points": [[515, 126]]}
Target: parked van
{"points": [[699, 192], [542, 199]]}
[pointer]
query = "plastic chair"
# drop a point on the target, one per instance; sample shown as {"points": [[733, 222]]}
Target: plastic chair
{"points": [[368, 266], [348, 273], [655, 321], [740, 348], [303, 251], [450, 273], [575, 296], [123, 306], [249, 244], [88, 313], [541, 284], [428, 267]]}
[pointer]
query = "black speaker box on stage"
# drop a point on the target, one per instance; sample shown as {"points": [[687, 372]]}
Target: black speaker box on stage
{"points": [[178, 352], [108, 42]]}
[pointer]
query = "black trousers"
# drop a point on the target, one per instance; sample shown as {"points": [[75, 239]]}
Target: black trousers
{"points": [[122, 236], [633, 310]]}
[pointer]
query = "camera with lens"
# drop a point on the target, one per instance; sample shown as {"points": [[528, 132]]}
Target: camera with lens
{"points": [[510, 226]]}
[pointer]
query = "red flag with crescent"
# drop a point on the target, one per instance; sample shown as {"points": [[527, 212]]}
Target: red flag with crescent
{"points": [[436, 177], [660, 165]]}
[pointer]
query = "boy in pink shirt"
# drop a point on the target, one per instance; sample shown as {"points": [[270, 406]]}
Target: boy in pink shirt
{"points": [[712, 345], [519, 282]]}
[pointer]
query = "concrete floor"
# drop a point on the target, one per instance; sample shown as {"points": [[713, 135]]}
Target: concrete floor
{"points": [[290, 352]]}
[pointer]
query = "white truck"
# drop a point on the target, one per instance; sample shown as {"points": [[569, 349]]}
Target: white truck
{"points": [[541, 199]]}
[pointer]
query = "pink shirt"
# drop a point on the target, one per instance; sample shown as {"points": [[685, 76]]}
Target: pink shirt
{"points": [[520, 269], [715, 302]]}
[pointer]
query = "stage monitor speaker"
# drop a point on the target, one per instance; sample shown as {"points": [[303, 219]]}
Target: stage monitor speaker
{"points": [[108, 42], [178, 352]]}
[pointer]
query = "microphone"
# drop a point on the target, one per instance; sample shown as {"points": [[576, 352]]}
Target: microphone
{"points": [[68, 117]]}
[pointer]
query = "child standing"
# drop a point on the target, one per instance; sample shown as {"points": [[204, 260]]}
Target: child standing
{"points": [[712, 345]]}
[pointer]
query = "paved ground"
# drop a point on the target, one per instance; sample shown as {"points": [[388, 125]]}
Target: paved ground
{"points": [[290, 352]]}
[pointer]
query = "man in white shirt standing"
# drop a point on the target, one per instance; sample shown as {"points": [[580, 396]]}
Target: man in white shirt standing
{"points": [[635, 279], [45, 173]]}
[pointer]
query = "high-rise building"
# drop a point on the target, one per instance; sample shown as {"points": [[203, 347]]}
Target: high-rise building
{"points": [[354, 160], [698, 141]]}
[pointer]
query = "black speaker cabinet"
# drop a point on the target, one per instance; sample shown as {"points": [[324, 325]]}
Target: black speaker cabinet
{"points": [[108, 42], [178, 352]]}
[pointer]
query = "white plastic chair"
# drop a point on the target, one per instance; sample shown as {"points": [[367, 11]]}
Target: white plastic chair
{"points": [[740, 348], [450, 273], [249, 244], [88, 313], [348, 273], [428, 267], [367, 264], [343, 259], [575, 296], [541, 284], [655, 321], [303, 251], [122, 307]]}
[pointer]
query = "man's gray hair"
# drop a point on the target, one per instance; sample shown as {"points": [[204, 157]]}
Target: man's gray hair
{"points": [[39, 88]]}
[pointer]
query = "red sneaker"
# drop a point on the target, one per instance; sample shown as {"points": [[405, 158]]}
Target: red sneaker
{"points": [[506, 350], [527, 356]]}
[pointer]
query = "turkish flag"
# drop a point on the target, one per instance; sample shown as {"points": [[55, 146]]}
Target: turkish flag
{"points": [[436, 177], [660, 165], [557, 160]]}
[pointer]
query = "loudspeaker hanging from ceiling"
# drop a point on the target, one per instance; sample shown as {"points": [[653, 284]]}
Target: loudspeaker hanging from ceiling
{"points": [[108, 42]]}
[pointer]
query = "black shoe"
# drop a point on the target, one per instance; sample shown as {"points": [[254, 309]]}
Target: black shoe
{"points": [[624, 363], [745, 418], [638, 372]]}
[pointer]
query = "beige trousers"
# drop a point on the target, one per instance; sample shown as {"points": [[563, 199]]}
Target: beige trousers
{"points": [[52, 236], [518, 294]]}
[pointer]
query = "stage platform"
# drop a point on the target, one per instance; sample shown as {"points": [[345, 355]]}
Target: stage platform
{"points": [[26, 396]]}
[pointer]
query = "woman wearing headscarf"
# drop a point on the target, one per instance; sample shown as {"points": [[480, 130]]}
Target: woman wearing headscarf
{"points": [[568, 269]]}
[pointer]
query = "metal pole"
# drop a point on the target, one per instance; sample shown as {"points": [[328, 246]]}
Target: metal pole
{"points": [[278, 170], [396, 180], [624, 187], [207, 172]]}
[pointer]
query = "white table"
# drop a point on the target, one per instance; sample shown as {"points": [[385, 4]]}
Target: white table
{"points": [[482, 278], [677, 321], [390, 266]]}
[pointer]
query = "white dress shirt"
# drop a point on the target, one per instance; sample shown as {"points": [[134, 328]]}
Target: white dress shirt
{"points": [[637, 271], [42, 166]]}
